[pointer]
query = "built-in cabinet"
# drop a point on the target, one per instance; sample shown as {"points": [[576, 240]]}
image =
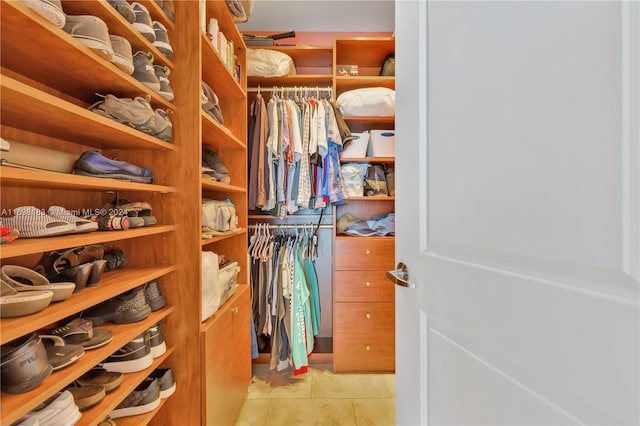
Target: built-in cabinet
{"points": [[48, 80]]}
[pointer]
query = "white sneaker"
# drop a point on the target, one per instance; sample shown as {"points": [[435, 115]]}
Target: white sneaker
{"points": [[50, 9]]}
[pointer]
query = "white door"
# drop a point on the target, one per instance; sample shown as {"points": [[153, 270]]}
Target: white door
{"points": [[517, 212]]}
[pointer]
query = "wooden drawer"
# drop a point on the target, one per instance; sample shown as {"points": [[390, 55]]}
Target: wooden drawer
{"points": [[365, 253], [364, 318], [363, 352], [362, 286]]}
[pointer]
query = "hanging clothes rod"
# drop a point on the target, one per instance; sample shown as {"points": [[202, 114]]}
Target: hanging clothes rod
{"points": [[295, 226], [289, 89]]}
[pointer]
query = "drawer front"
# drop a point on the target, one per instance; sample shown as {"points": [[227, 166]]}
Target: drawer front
{"points": [[362, 253], [363, 353], [362, 286], [364, 318]]}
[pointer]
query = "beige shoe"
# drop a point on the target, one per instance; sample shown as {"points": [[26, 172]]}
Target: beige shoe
{"points": [[122, 53], [92, 31]]}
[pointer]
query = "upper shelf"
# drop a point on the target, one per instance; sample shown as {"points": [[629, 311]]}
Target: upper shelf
{"points": [[320, 80], [70, 67], [216, 74], [305, 56], [366, 52], [27, 108], [157, 13], [350, 83], [226, 25], [118, 25]]}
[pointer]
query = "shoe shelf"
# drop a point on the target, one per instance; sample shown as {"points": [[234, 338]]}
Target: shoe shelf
{"points": [[218, 137], [15, 406], [14, 176], [69, 67], [214, 69], [221, 187], [118, 25], [26, 246], [111, 284], [97, 413], [349, 83], [219, 238], [157, 13], [27, 108]]}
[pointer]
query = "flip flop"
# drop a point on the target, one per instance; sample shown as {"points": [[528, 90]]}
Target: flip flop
{"points": [[17, 304], [33, 222], [59, 354], [24, 279], [81, 224]]}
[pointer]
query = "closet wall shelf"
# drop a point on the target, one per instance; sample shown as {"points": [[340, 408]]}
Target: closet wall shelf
{"points": [[305, 56], [364, 51], [220, 187], [321, 80], [220, 10], [350, 83], [27, 108], [22, 247], [216, 136], [157, 13], [214, 70], [118, 25], [111, 284], [385, 120], [13, 176], [70, 66], [15, 406], [207, 241], [97, 413], [372, 160]]}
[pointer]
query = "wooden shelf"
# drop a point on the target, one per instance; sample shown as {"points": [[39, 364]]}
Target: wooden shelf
{"points": [[350, 83], [24, 107], [140, 419], [372, 160], [76, 71], [384, 120], [217, 137], [14, 176], [220, 10], [216, 74], [363, 51], [217, 239], [320, 80], [15, 406], [111, 284], [22, 247], [305, 56], [372, 199], [157, 13], [118, 25], [211, 185]]}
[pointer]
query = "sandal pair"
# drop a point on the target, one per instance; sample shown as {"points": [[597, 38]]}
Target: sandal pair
{"points": [[23, 279], [80, 331], [32, 222], [82, 265]]}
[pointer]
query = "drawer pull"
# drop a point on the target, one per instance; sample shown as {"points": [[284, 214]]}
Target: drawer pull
{"points": [[368, 252], [368, 347], [368, 315], [368, 283], [234, 310]]}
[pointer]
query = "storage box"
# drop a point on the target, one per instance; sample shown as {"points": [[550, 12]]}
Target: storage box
{"points": [[382, 143], [358, 146]]}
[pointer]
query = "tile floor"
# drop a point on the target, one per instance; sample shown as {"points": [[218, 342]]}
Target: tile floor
{"points": [[318, 397]]}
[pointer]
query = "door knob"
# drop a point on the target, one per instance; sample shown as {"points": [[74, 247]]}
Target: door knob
{"points": [[400, 276]]}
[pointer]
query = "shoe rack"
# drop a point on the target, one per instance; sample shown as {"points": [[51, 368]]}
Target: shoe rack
{"points": [[48, 79]]}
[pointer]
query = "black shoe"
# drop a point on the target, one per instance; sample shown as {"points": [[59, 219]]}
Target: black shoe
{"points": [[156, 340], [125, 308], [166, 381], [145, 398], [132, 357]]}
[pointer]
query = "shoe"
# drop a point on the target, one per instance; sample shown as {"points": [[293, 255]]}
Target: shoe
{"points": [[125, 308], [82, 225], [169, 10], [132, 357], [145, 398], [156, 340], [18, 304], [23, 364], [109, 380], [80, 331], [50, 9], [92, 163], [143, 22], [59, 354], [60, 409], [143, 70], [136, 222], [124, 9], [8, 234], [163, 125], [32, 222], [165, 380], [122, 53], [210, 103], [154, 296], [213, 160], [162, 39], [86, 396], [136, 112], [92, 31], [162, 73], [109, 222], [78, 275], [115, 259], [24, 279]]}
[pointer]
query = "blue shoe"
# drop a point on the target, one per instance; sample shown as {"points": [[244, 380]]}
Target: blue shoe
{"points": [[92, 163]]}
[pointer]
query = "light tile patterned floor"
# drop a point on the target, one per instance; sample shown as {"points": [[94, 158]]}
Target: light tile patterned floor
{"points": [[318, 397]]}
